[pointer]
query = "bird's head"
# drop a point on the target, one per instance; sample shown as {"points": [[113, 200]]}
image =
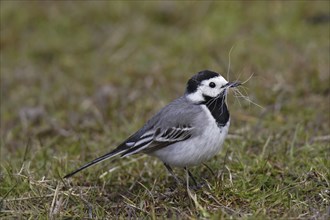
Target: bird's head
{"points": [[206, 85]]}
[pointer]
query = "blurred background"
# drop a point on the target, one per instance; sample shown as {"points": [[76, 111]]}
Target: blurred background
{"points": [[78, 77]]}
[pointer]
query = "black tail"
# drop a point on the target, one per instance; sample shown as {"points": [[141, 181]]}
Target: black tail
{"points": [[97, 160]]}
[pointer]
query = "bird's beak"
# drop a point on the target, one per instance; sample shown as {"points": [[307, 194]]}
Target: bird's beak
{"points": [[233, 84]]}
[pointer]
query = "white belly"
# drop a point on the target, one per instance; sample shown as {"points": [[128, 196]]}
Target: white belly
{"points": [[195, 150]]}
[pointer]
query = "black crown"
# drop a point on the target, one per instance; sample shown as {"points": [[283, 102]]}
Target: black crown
{"points": [[196, 80]]}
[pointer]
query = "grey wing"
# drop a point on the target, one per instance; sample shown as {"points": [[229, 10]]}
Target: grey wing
{"points": [[175, 122], [158, 138]]}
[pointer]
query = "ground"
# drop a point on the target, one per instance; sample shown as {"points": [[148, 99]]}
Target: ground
{"points": [[77, 78]]}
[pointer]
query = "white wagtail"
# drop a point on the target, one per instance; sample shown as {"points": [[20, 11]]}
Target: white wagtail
{"points": [[186, 132]]}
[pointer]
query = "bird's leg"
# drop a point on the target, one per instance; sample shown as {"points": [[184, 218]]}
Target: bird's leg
{"points": [[170, 170], [192, 177]]}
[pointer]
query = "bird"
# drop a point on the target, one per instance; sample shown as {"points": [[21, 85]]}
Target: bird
{"points": [[186, 132]]}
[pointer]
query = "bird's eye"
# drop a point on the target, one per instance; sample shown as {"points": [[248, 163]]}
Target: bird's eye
{"points": [[212, 84]]}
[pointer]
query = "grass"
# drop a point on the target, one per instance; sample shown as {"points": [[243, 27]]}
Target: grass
{"points": [[79, 77]]}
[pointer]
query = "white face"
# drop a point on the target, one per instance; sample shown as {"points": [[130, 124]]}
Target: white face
{"points": [[210, 87]]}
